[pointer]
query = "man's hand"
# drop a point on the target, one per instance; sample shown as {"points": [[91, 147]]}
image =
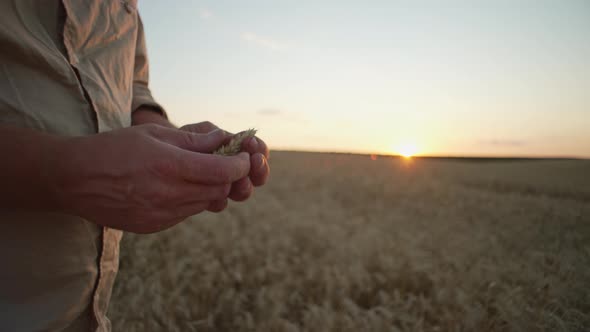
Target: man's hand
{"points": [[146, 178], [259, 169]]}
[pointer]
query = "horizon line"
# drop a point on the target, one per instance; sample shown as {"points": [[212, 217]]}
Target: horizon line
{"points": [[439, 156]]}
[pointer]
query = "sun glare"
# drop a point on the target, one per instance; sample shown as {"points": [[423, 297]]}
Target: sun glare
{"points": [[407, 150]]}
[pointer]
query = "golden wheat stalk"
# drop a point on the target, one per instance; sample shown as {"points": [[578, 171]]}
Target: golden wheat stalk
{"points": [[235, 145]]}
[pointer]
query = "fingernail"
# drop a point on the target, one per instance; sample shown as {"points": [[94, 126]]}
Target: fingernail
{"points": [[262, 162], [253, 143]]}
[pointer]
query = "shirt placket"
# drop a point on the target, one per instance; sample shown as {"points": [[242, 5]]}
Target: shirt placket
{"points": [[99, 298], [108, 267]]}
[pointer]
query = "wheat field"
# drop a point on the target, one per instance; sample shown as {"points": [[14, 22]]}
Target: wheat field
{"points": [[345, 243]]}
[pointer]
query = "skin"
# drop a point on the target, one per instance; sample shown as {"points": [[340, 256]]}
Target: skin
{"points": [[141, 179], [242, 189]]}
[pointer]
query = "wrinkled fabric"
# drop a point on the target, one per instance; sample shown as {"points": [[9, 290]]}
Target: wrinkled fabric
{"points": [[69, 68]]}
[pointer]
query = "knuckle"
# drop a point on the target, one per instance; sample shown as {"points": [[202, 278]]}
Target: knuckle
{"points": [[190, 139], [242, 191], [221, 192], [151, 128], [214, 134], [205, 126]]}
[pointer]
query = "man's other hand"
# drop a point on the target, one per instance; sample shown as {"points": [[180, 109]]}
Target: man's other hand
{"points": [[243, 188]]}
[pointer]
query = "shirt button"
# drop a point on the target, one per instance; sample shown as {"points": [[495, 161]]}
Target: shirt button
{"points": [[73, 59]]}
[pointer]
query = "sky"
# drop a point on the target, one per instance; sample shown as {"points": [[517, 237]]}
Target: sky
{"points": [[459, 78]]}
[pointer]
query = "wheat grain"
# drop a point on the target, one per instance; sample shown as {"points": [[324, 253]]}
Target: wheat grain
{"points": [[235, 145]]}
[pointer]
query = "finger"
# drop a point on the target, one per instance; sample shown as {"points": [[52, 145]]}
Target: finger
{"points": [[211, 169], [259, 169], [200, 128], [217, 206], [263, 148], [241, 190], [254, 145], [205, 143]]}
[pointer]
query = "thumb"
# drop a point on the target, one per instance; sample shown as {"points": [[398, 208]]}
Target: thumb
{"points": [[204, 143]]}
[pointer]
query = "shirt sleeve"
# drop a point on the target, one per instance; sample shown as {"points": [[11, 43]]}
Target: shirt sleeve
{"points": [[142, 96]]}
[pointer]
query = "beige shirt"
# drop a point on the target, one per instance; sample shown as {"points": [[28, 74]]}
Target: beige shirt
{"points": [[69, 68]]}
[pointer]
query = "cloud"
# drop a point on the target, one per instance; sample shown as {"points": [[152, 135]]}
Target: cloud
{"points": [[264, 42], [502, 142], [269, 112], [277, 114], [205, 13]]}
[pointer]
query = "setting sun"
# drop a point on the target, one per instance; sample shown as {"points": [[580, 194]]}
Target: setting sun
{"points": [[407, 150]]}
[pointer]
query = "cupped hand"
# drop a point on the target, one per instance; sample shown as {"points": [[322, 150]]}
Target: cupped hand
{"points": [[259, 168], [145, 178]]}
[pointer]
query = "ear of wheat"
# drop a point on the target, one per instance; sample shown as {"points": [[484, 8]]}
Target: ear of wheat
{"points": [[235, 145]]}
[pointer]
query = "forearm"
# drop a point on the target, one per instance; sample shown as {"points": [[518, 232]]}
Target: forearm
{"points": [[146, 115], [29, 169]]}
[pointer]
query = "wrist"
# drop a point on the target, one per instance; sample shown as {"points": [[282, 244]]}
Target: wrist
{"points": [[58, 160]]}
